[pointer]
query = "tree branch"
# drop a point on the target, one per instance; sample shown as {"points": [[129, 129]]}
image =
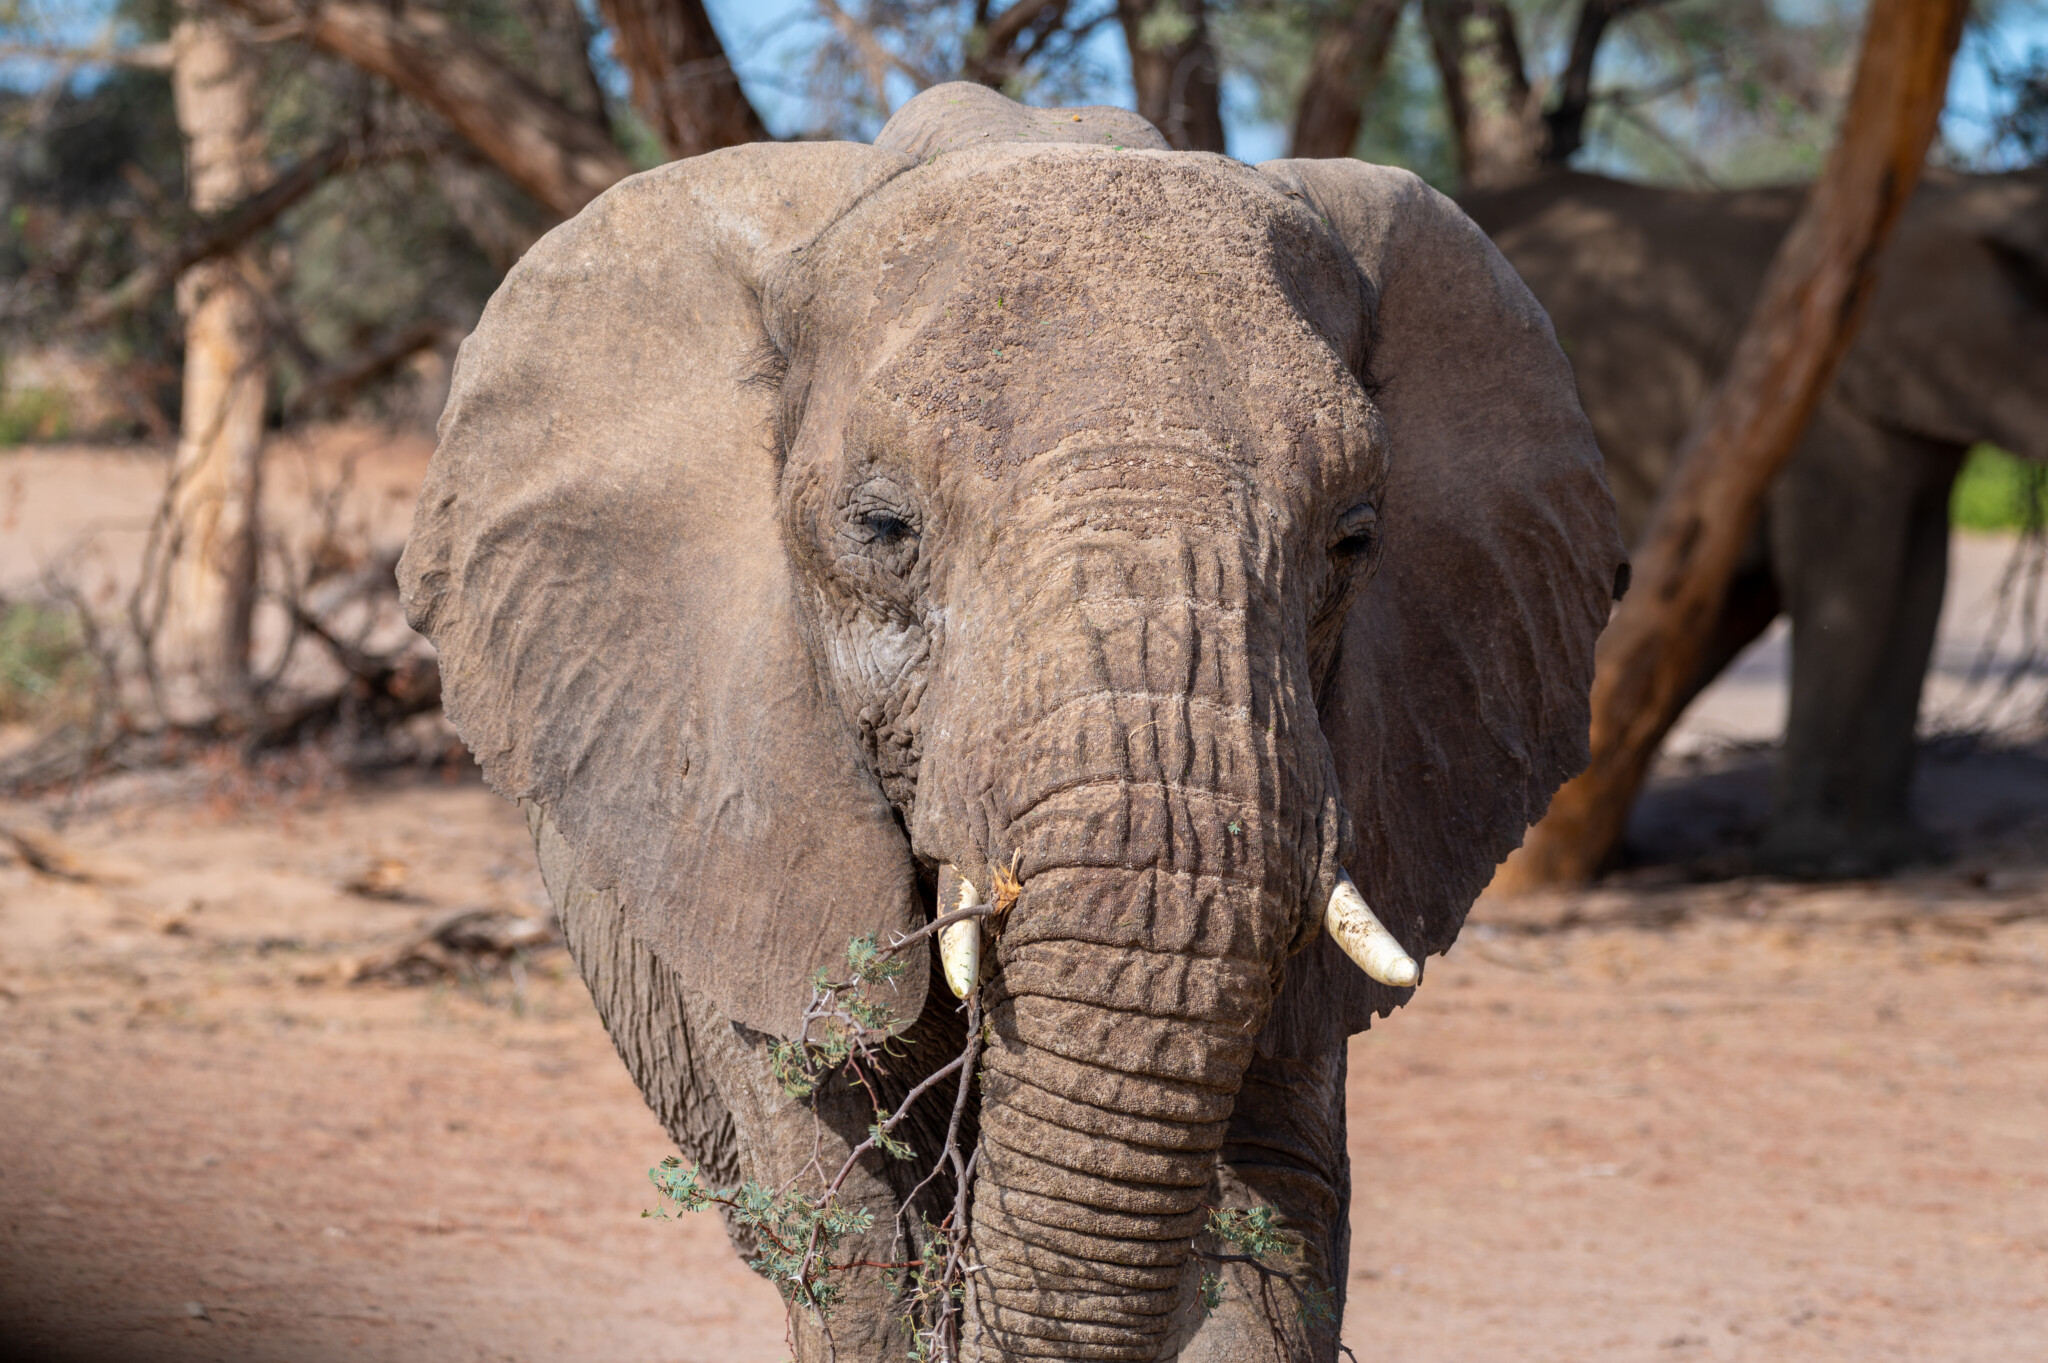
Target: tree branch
{"points": [[1565, 124], [994, 63], [211, 238], [878, 55], [560, 158], [141, 56]]}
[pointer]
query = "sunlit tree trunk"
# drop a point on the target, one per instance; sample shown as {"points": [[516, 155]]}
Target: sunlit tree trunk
{"points": [[1174, 71], [209, 564], [1345, 65], [1803, 321], [683, 82]]}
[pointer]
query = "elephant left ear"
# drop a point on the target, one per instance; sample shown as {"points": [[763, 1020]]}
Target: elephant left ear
{"points": [[598, 556], [1460, 699]]}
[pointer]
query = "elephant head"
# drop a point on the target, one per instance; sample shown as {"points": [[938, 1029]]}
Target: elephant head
{"points": [[809, 518]]}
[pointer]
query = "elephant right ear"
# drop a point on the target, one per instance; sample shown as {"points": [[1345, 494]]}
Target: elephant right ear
{"points": [[1460, 699], [598, 557]]}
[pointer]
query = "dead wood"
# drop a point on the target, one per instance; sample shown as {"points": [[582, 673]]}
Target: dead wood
{"points": [[459, 945]]}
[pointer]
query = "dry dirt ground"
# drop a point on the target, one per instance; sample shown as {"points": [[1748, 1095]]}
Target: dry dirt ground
{"points": [[1666, 1119], [1744, 1120]]}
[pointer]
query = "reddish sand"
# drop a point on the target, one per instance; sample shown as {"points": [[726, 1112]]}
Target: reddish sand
{"points": [[1737, 1121]]}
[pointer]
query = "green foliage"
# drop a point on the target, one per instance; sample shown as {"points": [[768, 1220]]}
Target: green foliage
{"points": [[845, 1018], [45, 670], [33, 414], [798, 1233], [1997, 491], [1251, 1232]]}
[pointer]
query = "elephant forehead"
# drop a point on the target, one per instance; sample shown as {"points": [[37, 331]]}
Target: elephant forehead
{"points": [[1019, 300]]}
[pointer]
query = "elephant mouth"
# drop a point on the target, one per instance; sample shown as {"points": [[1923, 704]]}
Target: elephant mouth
{"points": [[1347, 917]]}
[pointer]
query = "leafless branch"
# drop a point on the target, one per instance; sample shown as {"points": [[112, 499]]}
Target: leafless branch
{"points": [[140, 56]]}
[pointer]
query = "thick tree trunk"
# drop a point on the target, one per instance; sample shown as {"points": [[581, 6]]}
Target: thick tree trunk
{"points": [[683, 83], [1350, 53], [201, 642], [1802, 323], [562, 159], [1494, 114], [1174, 71]]}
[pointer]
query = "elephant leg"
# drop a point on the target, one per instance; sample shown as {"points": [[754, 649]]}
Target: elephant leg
{"points": [[712, 1086], [1860, 541], [1285, 1149]]}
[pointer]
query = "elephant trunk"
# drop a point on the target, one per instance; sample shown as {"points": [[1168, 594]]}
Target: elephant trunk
{"points": [[1159, 768], [1106, 1095]]}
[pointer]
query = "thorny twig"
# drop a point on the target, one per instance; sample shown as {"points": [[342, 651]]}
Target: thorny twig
{"points": [[845, 1033]]}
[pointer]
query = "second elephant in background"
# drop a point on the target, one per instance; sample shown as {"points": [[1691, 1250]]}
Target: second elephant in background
{"points": [[1649, 289]]}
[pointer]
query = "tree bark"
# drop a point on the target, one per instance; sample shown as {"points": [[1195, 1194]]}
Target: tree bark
{"points": [[1174, 71], [683, 82], [994, 56], [1350, 53], [561, 159], [1802, 323], [561, 57], [1565, 124], [1494, 113], [200, 647]]}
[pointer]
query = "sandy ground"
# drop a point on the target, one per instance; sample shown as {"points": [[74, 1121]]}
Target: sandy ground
{"points": [[1662, 1119], [1744, 1120]]}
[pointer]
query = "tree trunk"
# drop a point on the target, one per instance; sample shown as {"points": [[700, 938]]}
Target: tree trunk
{"points": [[1802, 323], [993, 53], [1350, 52], [560, 158], [1564, 126], [201, 641], [561, 57], [1174, 71], [683, 83], [1494, 114]]}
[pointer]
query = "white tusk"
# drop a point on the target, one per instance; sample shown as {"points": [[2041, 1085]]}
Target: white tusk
{"points": [[1365, 938], [959, 944]]}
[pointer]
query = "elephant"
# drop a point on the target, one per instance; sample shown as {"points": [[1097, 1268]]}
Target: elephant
{"points": [[1212, 553], [1649, 288]]}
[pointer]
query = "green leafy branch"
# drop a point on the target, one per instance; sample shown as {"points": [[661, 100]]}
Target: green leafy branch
{"points": [[845, 1033]]}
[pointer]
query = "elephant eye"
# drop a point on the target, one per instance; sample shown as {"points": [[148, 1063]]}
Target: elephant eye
{"points": [[1357, 531], [885, 530]]}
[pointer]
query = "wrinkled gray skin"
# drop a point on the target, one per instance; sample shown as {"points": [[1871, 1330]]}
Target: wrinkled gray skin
{"points": [[809, 516], [1648, 289]]}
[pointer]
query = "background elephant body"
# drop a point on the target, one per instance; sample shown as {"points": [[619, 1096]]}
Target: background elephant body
{"points": [[814, 521], [1648, 289]]}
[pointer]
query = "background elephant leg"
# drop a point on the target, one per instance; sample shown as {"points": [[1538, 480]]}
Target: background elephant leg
{"points": [[1859, 530], [710, 1083], [1285, 1149]]}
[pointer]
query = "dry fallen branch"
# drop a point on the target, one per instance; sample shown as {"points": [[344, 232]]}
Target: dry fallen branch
{"points": [[458, 945]]}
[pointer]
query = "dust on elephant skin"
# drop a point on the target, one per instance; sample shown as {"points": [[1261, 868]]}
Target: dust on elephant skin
{"points": [[1195, 538]]}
